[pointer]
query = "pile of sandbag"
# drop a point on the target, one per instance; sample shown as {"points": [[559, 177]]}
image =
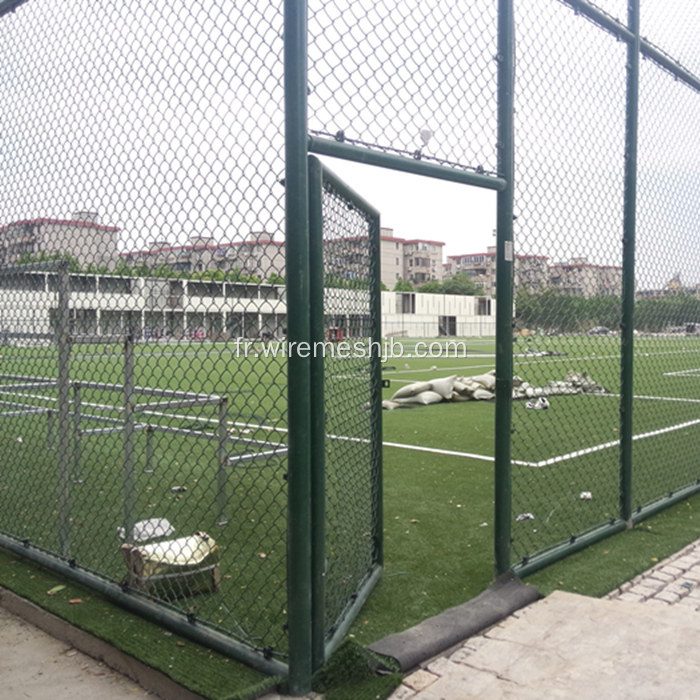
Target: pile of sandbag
{"points": [[573, 383], [478, 388], [482, 387]]}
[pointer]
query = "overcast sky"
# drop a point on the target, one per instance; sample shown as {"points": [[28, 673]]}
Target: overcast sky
{"points": [[166, 118]]}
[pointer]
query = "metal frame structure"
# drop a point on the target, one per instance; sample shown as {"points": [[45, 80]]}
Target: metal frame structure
{"points": [[310, 639]]}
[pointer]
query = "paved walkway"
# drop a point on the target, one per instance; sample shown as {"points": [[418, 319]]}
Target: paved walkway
{"points": [[641, 641], [36, 666]]}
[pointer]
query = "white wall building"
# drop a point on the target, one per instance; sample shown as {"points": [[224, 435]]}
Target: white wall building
{"points": [[179, 308]]}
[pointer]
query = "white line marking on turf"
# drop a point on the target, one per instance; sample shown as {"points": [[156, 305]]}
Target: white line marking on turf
{"points": [[435, 450], [614, 443], [640, 397]]}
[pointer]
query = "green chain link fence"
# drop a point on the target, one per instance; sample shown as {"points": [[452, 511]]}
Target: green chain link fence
{"points": [[605, 416], [164, 235]]}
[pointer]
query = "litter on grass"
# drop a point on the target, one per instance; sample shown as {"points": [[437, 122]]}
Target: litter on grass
{"points": [[150, 529]]}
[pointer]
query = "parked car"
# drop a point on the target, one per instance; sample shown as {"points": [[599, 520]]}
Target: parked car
{"points": [[599, 330]]}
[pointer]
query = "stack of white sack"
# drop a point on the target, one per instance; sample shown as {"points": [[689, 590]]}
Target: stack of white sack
{"points": [[482, 387], [477, 388]]}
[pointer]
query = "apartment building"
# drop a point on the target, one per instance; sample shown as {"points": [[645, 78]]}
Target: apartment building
{"points": [[82, 237], [259, 255], [529, 271], [578, 277], [416, 260]]}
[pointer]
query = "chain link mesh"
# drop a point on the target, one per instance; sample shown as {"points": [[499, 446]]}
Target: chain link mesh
{"points": [[142, 144], [352, 399], [568, 203], [667, 313], [142, 287], [569, 189], [674, 29], [413, 78]]}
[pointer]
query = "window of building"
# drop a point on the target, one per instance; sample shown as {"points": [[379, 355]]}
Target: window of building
{"points": [[406, 303], [447, 325], [483, 307]]}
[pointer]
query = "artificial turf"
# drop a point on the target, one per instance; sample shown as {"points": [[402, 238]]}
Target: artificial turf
{"points": [[438, 507]]}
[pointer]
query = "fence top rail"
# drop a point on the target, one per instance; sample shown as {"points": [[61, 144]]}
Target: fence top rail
{"points": [[382, 159], [623, 33]]}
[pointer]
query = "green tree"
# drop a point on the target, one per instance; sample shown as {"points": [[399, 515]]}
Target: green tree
{"points": [[123, 269], [461, 283], [403, 285], [432, 287]]}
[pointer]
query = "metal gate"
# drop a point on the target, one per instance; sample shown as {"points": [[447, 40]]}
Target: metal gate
{"points": [[346, 404]]}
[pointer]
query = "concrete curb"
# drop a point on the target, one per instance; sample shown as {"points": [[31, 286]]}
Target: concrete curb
{"points": [[147, 677]]}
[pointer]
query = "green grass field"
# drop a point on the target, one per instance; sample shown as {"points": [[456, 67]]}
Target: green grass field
{"points": [[438, 499]]}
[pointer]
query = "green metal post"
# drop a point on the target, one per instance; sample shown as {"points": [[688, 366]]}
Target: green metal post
{"points": [[299, 603], [376, 373], [504, 286], [222, 462], [628, 253], [129, 426], [149, 449], [318, 416], [63, 382], [77, 457]]}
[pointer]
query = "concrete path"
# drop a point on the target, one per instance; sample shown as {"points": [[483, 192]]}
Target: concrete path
{"points": [[641, 641], [36, 666]]}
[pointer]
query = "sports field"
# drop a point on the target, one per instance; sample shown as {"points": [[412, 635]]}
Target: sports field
{"points": [[438, 465]]}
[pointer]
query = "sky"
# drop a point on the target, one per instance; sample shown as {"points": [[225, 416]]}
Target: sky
{"points": [[463, 217], [167, 118]]}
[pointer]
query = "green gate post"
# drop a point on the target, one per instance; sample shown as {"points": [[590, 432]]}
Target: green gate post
{"points": [[628, 281], [504, 286], [298, 331], [318, 416]]}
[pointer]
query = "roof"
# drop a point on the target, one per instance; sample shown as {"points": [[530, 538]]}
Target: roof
{"points": [[491, 255], [214, 247], [411, 240], [63, 222], [587, 265]]}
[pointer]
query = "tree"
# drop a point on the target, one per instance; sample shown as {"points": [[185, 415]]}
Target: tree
{"points": [[123, 268], [461, 283], [403, 285], [432, 287]]}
